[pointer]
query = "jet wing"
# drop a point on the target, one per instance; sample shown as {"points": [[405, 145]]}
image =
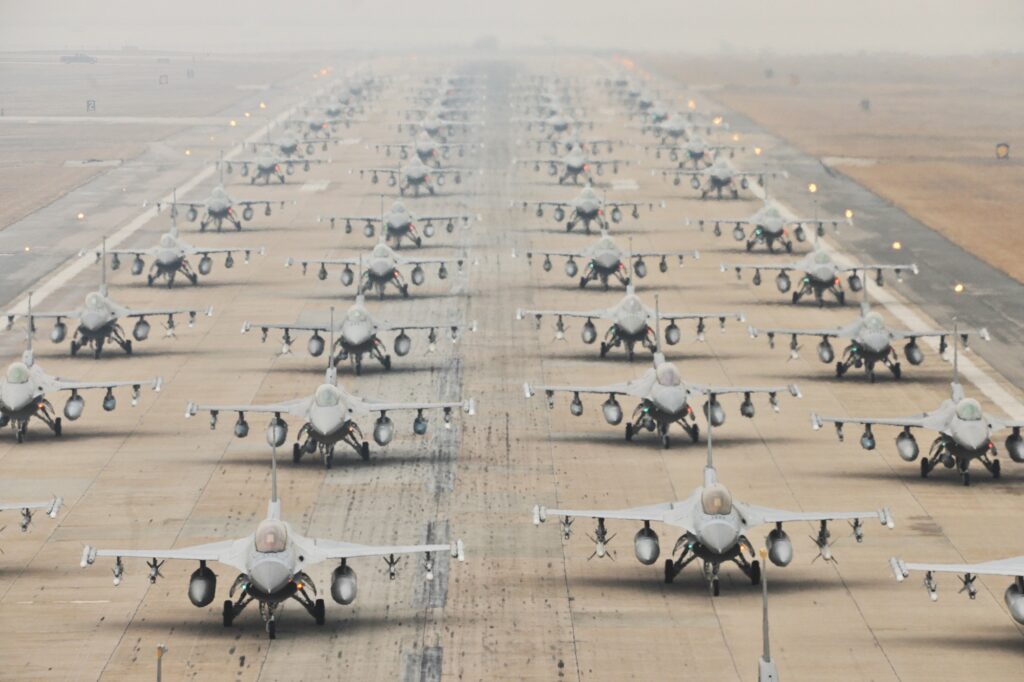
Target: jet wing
{"points": [[51, 384], [51, 506], [772, 332], [247, 250], [772, 391], [935, 421], [318, 550], [638, 388], [228, 552], [368, 406], [740, 267], [756, 515], [321, 261], [602, 314], [653, 512], [175, 204], [402, 260], [296, 408], [898, 269], [12, 316], [1013, 566]]}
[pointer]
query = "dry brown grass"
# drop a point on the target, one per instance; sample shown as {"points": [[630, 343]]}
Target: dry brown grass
{"points": [[932, 129]]}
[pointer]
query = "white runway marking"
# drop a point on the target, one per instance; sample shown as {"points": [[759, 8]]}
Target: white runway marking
{"points": [[625, 185], [146, 120], [318, 186], [77, 265]]}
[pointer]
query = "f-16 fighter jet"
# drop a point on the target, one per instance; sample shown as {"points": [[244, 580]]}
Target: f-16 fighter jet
{"points": [[24, 387], [821, 274], [604, 260], [358, 333], [768, 227], [383, 267], [331, 416], [400, 223], [631, 322], [718, 177], [588, 208], [964, 432], [415, 176], [272, 564], [715, 529], [663, 399], [98, 321], [170, 258]]}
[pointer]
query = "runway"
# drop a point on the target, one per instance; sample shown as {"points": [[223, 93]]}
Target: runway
{"points": [[526, 604]]}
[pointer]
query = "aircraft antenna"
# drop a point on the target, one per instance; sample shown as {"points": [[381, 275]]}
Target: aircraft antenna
{"points": [[657, 324], [103, 270], [711, 460], [330, 349], [29, 329], [629, 267], [273, 475], [956, 351], [767, 656]]}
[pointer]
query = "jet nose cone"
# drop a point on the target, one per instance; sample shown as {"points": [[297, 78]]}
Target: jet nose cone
{"points": [[270, 573], [972, 435], [668, 399], [718, 536], [876, 343], [93, 320]]}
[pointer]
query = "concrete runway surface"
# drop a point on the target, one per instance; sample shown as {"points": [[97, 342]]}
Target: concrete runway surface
{"points": [[526, 604]]}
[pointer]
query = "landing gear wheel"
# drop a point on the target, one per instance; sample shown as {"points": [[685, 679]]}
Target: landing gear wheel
{"points": [[715, 587], [328, 459], [364, 451], [127, 348], [842, 297], [750, 245], [568, 227], [405, 291], [386, 362], [695, 434], [19, 434], [629, 432], [965, 476], [840, 369], [897, 371], [296, 453], [926, 468], [583, 282], [229, 613], [996, 472], [871, 376], [664, 441], [319, 611], [272, 629], [74, 349], [789, 247], [604, 349], [755, 573], [58, 427], [670, 571], [97, 351], [796, 297], [149, 280]]}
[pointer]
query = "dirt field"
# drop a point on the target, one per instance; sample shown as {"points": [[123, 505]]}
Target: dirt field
{"points": [[927, 143]]}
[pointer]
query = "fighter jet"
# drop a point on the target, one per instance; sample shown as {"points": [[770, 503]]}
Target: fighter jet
{"points": [[288, 146], [573, 166], [587, 208], [565, 145], [1012, 567], [680, 127], [383, 267], [664, 399], [821, 274], [557, 124], [631, 323], [415, 176], [696, 152], [715, 529], [871, 342], [428, 150], [436, 127], [767, 226], [399, 223], [604, 260], [718, 177], [272, 564], [965, 432], [27, 509], [98, 321], [358, 334], [319, 125], [24, 387], [268, 165], [217, 208], [170, 257], [330, 417]]}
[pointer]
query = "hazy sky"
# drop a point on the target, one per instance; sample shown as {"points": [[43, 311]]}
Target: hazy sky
{"points": [[934, 26]]}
